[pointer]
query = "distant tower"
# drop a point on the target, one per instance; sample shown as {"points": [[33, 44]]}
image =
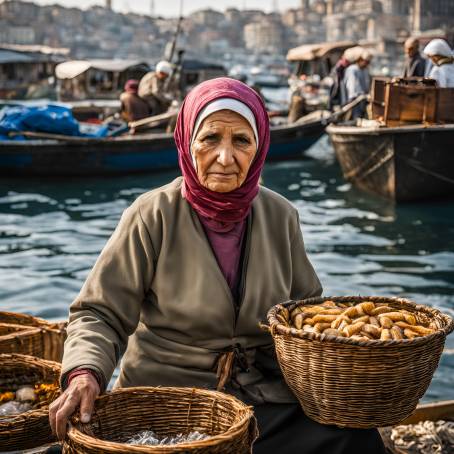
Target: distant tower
{"points": [[275, 6], [109, 4], [152, 10], [305, 5], [417, 16], [329, 7]]}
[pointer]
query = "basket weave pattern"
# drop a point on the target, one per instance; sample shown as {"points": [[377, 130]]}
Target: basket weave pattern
{"points": [[167, 411], [29, 429], [32, 336], [353, 383]]}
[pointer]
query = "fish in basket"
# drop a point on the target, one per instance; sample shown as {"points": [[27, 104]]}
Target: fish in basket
{"points": [[27, 386], [356, 361]]}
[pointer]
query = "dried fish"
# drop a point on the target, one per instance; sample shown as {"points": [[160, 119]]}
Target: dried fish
{"points": [[426, 437]]}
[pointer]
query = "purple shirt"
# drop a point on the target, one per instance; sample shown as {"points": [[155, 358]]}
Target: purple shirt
{"points": [[227, 250]]}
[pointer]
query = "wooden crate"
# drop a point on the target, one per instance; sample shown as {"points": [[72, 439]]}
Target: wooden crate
{"points": [[411, 101], [378, 97]]}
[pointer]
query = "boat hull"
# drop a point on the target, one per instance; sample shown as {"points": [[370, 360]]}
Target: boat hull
{"points": [[127, 155], [402, 164]]}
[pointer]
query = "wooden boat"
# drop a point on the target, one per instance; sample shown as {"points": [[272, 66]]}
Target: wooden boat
{"points": [[59, 156], [434, 411], [401, 163]]}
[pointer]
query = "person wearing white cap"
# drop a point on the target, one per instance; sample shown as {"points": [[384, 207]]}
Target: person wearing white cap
{"points": [[337, 91], [356, 81], [442, 56], [155, 89]]}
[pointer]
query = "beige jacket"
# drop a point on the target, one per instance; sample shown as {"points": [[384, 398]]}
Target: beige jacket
{"points": [[159, 93], [157, 289]]}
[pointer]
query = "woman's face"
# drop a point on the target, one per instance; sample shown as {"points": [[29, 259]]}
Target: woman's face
{"points": [[224, 149], [436, 58]]}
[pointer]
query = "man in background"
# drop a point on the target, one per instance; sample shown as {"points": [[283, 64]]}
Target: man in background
{"points": [[337, 96], [357, 82], [415, 64], [156, 89]]}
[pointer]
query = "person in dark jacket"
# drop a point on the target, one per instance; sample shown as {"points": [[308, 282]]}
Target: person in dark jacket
{"points": [[415, 64], [133, 107]]}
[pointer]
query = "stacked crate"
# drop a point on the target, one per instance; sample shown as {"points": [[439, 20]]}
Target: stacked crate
{"points": [[400, 102]]}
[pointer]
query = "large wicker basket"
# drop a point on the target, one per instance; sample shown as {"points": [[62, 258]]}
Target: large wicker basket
{"points": [[167, 411], [355, 383], [29, 429], [31, 336]]}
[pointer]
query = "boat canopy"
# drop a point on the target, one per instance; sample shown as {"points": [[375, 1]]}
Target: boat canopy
{"points": [[309, 52], [27, 54], [8, 56], [72, 69]]}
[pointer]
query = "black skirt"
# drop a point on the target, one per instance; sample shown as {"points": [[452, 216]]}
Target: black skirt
{"points": [[285, 429]]}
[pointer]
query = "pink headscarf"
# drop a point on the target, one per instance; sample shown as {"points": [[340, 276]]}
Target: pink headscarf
{"points": [[232, 207]]}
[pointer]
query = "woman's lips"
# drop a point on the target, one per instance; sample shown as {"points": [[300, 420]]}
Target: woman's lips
{"points": [[222, 176]]}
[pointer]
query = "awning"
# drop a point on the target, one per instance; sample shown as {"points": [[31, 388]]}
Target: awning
{"points": [[71, 69], [8, 56], [319, 50]]}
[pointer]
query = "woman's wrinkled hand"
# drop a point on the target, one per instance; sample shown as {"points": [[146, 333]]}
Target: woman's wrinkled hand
{"points": [[81, 392]]}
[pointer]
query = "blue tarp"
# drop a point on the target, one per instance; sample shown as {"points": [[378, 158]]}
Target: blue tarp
{"points": [[51, 119]]}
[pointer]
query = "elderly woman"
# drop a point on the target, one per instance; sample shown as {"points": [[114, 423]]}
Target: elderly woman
{"points": [[442, 57], [190, 270]]}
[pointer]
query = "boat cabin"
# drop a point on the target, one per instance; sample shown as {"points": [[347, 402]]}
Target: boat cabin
{"points": [[312, 66], [317, 59], [27, 72], [96, 79]]}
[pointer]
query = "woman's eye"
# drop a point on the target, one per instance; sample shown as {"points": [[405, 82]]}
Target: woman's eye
{"points": [[243, 140], [210, 138]]}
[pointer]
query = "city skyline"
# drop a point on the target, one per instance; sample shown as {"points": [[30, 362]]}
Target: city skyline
{"points": [[169, 8]]}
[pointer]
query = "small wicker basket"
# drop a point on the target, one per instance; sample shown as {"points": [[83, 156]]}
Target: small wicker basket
{"points": [[29, 429], [167, 411], [31, 336], [354, 383]]}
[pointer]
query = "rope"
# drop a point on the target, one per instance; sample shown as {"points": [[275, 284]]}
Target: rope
{"points": [[416, 165], [352, 174]]}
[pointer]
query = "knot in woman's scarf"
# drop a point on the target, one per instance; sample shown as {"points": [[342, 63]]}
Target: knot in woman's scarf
{"points": [[227, 208]]}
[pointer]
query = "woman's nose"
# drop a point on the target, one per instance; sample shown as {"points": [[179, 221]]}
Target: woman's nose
{"points": [[225, 153]]}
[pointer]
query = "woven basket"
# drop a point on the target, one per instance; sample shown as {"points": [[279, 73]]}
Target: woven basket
{"points": [[353, 383], [167, 411], [37, 337], [29, 429]]}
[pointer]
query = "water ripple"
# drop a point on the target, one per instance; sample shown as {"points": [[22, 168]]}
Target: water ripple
{"points": [[52, 232]]}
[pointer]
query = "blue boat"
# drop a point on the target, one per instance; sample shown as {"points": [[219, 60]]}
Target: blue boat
{"points": [[58, 156]]}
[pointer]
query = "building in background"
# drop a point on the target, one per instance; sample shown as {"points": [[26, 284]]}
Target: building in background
{"points": [[264, 36], [101, 32]]}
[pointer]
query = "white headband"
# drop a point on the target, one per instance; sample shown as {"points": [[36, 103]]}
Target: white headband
{"points": [[226, 104], [438, 47]]}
